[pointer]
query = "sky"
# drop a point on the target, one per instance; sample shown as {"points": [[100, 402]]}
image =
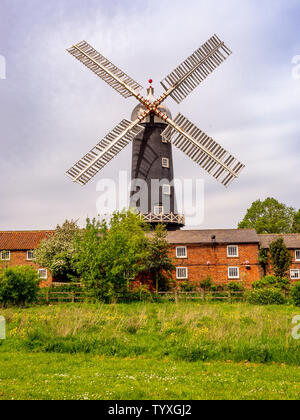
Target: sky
{"points": [[53, 110]]}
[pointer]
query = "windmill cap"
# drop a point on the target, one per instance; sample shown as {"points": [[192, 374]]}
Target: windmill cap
{"points": [[140, 109]]}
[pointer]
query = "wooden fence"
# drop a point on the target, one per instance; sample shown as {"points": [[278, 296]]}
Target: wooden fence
{"points": [[50, 296], [203, 296]]}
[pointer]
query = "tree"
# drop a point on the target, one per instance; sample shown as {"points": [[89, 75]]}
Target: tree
{"points": [[281, 258], [88, 258], [296, 222], [269, 216], [263, 259], [55, 252], [159, 265], [109, 257]]}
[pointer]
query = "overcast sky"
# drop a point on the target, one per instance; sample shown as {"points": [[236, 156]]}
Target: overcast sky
{"points": [[53, 109]]}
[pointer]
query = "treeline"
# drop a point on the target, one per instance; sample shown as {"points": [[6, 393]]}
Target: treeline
{"points": [[108, 258]]}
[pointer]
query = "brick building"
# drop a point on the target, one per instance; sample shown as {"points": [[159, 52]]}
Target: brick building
{"points": [[224, 255], [17, 248], [292, 242]]}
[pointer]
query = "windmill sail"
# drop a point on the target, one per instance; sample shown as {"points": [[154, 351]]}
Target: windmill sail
{"points": [[112, 144], [104, 69], [203, 150], [185, 78]]}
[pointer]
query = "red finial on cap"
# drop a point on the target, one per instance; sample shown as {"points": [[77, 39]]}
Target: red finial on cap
{"points": [[150, 81]]}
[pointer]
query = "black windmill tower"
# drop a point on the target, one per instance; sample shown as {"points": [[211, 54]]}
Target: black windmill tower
{"points": [[153, 132]]}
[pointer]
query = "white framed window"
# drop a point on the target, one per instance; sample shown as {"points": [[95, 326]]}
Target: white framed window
{"points": [[30, 255], [297, 255], [166, 189], [158, 210], [181, 252], [43, 274], [295, 274], [165, 163], [232, 251], [5, 255], [233, 273], [181, 273]]}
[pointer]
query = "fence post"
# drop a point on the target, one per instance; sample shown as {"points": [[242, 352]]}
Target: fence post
{"points": [[203, 295], [73, 296], [47, 296], [229, 296], [176, 296]]}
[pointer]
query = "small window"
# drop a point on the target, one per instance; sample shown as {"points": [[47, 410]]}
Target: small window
{"points": [[297, 255], [295, 274], [30, 255], [233, 273], [232, 251], [43, 273], [5, 255], [167, 189], [158, 210], [181, 273], [165, 163], [181, 252]]}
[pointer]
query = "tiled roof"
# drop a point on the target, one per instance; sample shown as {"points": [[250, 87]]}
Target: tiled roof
{"points": [[22, 240], [223, 236], [292, 240]]}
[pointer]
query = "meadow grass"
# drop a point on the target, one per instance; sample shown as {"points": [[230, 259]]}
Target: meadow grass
{"points": [[150, 351], [86, 377], [188, 331]]}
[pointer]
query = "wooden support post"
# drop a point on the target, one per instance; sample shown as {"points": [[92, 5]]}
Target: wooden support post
{"points": [[47, 296], [229, 296], [203, 295], [73, 297], [176, 296]]}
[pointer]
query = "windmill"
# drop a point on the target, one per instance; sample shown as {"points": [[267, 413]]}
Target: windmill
{"points": [[153, 132]]}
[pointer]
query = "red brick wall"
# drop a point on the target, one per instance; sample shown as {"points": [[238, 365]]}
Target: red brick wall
{"points": [[198, 269], [295, 264], [20, 258], [199, 255]]}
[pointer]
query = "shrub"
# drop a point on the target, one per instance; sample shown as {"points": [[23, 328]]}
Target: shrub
{"points": [[140, 294], [19, 285], [272, 282], [265, 297], [187, 287], [207, 284], [295, 293], [235, 287], [68, 287], [218, 288]]}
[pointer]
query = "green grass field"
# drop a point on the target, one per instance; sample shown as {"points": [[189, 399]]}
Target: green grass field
{"points": [[56, 376], [150, 351]]}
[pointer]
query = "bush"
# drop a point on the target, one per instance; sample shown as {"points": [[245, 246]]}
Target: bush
{"points": [[235, 287], [265, 297], [140, 294], [187, 287], [272, 282], [68, 287], [19, 286], [295, 294], [207, 284]]}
